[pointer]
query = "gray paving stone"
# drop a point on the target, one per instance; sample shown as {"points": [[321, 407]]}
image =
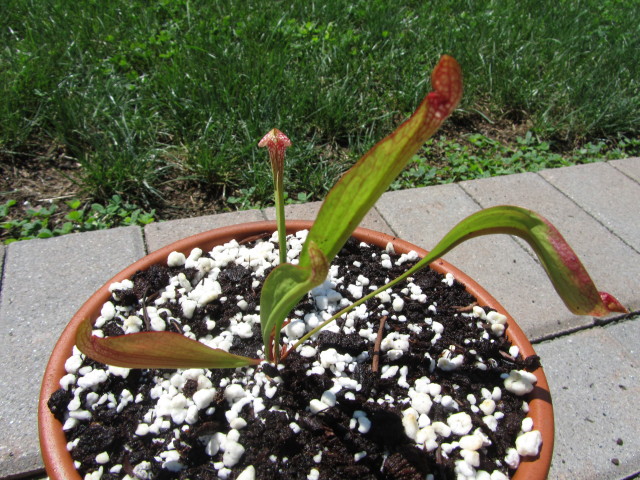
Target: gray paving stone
{"points": [[308, 211], [45, 282], [629, 166], [604, 192], [424, 215], [601, 252], [595, 388], [160, 234], [627, 332]]}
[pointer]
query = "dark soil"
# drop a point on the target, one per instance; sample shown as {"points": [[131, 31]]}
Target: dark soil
{"points": [[271, 446]]}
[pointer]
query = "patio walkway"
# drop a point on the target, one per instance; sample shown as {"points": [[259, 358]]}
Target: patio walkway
{"points": [[592, 366]]}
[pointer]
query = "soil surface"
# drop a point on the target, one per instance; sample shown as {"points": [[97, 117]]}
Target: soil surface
{"points": [[271, 444]]}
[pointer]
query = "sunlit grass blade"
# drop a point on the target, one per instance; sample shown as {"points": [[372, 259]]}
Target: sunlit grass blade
{"points": [[155, 350]]}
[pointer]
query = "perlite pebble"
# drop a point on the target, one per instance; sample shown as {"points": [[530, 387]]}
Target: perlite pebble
{"points": [[428, 437], [95, 475], [233, 451], [328, 398], [102, 458], [491, 422], [488, 406], [498, 475], [520, 382], [248, 473], [471, 457], [317, 406], [471, 442], [512, 458], [176, 259], [364, 424], [398, 304], [460, 423], [421, 402], [410, 423], [73, 363], [441, 429], [528, 444], [203, 398]]}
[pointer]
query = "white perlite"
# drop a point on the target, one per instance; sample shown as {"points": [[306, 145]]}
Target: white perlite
{"points": [[520, 382], [248, 473], [528, 444]]}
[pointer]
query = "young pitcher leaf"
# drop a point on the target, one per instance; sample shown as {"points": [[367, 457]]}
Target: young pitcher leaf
{"points": [[155, 350], [359, 188], [562, 265], [282, 290]]}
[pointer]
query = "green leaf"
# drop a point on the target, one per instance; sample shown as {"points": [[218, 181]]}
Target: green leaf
{"points": [[563, 267], [155, 350], [282, 290], [4, 209], [74, 204], [74, 216], [96, 207]]}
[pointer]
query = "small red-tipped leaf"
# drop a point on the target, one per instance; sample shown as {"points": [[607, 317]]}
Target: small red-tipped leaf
{"points": [[155, 350]]}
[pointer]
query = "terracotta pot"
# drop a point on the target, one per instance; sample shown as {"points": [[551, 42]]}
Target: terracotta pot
{"points": [[57, 459]]}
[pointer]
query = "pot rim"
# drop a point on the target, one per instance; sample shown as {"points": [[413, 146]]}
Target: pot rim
{"points": [[58, 461]]}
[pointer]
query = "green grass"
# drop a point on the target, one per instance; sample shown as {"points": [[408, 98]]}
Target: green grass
{"points": [[143, 92], [477, 156]]}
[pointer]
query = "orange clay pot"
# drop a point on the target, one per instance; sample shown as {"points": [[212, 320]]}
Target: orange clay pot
{"points": [[57, 459]]}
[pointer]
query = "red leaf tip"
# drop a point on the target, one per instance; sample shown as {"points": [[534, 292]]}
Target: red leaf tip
{"points": [[446, 80], [611, 303], [275, 139], [277, 142]]}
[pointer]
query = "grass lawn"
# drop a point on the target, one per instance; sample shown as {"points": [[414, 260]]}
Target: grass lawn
{"points": [[163, 102]]}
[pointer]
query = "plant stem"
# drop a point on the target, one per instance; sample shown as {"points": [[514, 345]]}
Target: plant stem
{"points": [[277, 143], [280, 218]]}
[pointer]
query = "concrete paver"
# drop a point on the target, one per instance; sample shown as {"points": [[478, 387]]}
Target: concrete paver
{"points": [[628, 334], [629, 166], [594, 386], [600, 250], [605, 193], [424, 215], [45, 282], [158, 235]]}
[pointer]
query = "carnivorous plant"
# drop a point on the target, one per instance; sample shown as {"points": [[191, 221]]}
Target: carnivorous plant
{"points": [[343, 209]]}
